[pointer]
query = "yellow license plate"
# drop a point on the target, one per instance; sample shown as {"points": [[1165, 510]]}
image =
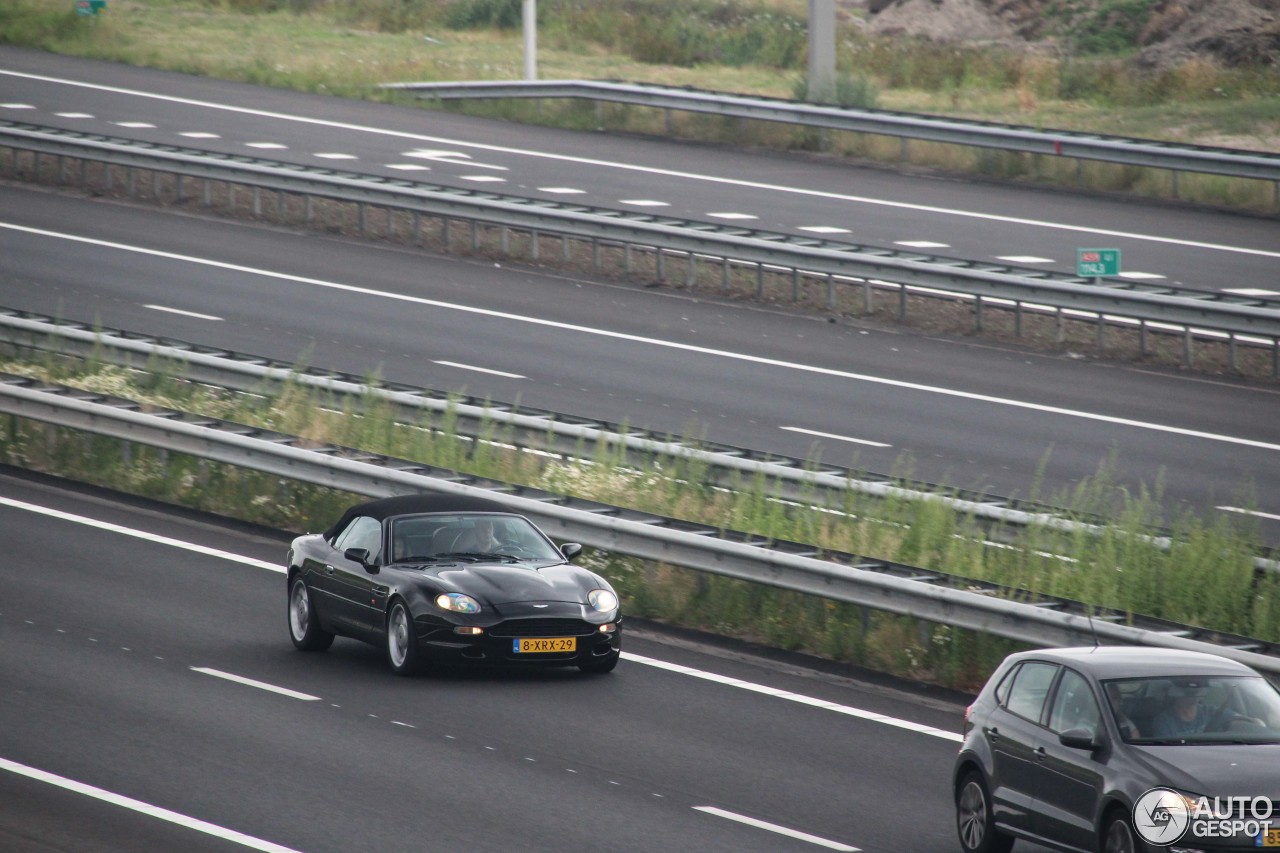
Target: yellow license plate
{"points": [[544, 645], [1270, 838]]}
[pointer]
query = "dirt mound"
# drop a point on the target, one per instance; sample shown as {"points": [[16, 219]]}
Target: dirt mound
{"points": [[1231, 32]]}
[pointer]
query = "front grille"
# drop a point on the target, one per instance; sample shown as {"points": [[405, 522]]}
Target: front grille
{"points": [[542, 628]]}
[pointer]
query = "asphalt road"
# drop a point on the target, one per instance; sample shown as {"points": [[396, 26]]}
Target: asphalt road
{"points": [[150, 700], [969, 413]]}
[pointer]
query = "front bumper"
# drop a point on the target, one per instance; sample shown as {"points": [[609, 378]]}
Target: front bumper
{"points": [[441, 643]]}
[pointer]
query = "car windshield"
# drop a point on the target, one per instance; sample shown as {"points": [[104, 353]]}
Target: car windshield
{"points": [[1195, 709], [468, 536]]}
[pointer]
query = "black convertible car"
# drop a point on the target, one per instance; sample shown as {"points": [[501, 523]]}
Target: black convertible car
{"points": [[439, 578]]}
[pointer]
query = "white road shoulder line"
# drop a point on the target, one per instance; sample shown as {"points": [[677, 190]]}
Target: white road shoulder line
{"points": [[194, 314], [144, 808], [140, 534], [799, 698], [835, 437], [480, 369], [261, 685], [780, 830]]}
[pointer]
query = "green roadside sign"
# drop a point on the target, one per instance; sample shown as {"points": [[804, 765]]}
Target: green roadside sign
{"points": [[1096, 263]]}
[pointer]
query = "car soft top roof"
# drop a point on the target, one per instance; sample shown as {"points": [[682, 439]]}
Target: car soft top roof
{"points": [[385, 508]]}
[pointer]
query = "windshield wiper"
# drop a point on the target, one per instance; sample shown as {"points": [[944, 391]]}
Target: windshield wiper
{"points": [[477, 555]]}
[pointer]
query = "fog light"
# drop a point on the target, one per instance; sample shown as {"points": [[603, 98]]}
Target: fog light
{"points": [[468, 630], [608, 628]]}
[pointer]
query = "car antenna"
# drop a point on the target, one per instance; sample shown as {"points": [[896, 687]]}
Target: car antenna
{"points": [[1092, 630]]}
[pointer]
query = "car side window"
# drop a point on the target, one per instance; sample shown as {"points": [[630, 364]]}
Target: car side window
{"points": [[1074, 705], [362, 532], [1030, 689]]}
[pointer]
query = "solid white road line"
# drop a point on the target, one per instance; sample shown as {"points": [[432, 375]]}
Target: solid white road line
{"points": [[835, 437], [990, 217], [870, 716], [605, 333], [144, 808], [480, 369], [1270, 516], [193, 314], [141, 534], [261, 685], [780, 830]]}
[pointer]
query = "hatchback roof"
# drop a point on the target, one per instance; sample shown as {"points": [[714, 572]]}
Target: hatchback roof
{"points": [[1138, 661]]}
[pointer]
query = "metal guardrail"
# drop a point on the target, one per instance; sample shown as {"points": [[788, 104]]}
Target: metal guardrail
{"points": [[894, 587], [726, 466], [1146, 306], [1232, 162]]}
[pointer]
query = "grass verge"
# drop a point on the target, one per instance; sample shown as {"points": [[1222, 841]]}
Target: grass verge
{"points": [[1206, 578]]}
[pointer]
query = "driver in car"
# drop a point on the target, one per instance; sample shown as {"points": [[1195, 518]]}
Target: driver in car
{"points": [[1184, 715]]}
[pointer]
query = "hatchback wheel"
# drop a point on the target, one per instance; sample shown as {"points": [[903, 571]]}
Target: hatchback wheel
{"points": [[1119, 837], [975, 821]]}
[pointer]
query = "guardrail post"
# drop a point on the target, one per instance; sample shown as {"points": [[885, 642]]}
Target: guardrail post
{"points": [[1186, 346], [595, 254], [1017, 319], [533, 245], [444, 232], [759, 281], [504, 239], [360, 214], [475, 235], [662, 271], [626, 258], [795, 284], [691, 280], [1231, 352], [1174, 182], [1142, 338], [257, 205], [724, 274], [977, 314], [902, 302], [831, 291]]}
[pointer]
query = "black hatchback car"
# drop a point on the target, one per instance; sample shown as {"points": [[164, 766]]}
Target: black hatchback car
{"points": [[1121, 750]]}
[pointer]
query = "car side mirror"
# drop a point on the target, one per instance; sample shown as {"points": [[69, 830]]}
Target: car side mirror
{"points": [[361, 556], [1080, 739], [570, 550]]}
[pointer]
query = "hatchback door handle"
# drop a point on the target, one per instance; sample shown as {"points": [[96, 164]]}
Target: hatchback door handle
{"points": [[330, 569], [1041, 755], [993, 733]]}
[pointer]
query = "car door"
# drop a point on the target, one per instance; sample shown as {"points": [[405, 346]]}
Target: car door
{"points": [[1014, 732], [352, 594], [1069, 780]]}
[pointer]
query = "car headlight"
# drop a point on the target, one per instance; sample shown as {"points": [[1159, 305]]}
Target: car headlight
{"points": [[602, 600], [457, 602]]}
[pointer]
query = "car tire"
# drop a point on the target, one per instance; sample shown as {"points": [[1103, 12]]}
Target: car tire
{"points": [[402, 643], [1118, 835], [975, 822], [304, 624], [601, 665]]}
